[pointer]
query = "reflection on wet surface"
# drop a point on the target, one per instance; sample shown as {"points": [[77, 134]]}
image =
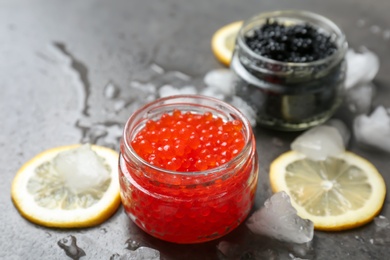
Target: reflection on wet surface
{"points": [[69, 245], [45, 94]]}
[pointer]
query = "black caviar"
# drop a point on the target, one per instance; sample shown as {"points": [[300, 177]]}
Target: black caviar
{"points": [[295, 43]]}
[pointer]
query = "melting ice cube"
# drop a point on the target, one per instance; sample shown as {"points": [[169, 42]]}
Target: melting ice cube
{"points": [[341, 127], [81, 168], [373, 130], [278, 219], [359, 98], [220, 81], [362, 67], [319, 143]]}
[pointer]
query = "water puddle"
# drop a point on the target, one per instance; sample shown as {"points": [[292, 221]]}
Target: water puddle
{"points": [[69, 245], [105, 127], [266, 249], [82, 72]]}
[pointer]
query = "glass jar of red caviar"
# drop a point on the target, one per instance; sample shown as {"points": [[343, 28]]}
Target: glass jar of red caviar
{"points": [[290, 68], [187, 205]]}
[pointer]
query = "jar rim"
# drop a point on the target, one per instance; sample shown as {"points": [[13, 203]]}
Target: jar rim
{"points": [[341, 49], [248, 134]]}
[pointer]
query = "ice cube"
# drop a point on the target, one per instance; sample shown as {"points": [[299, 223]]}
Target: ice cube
{"points": [[221, 81], [210, 92], [359, 98], [342, 128], [381, 235], [168, 90], [381, 222], [278, 219], [142, 253], [319, 143], [373, 130], [81, 168], [362, 66], [246, 109]]}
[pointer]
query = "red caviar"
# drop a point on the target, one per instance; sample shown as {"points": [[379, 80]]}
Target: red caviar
{"points": [[198, 173], [189, 142]]}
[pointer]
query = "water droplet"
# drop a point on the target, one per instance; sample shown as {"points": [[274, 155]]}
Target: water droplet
{"points": [[375, 29], [181, 75], [132, 244], [381, 222], [115, 257], [69, 245], [119, 105], [110, 90], [147, 87], [386, 34], [156, 68], [277, 142], [361, 23], [114, 133], [103, 230]]}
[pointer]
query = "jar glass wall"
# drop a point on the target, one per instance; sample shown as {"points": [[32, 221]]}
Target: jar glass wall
{"points": [[187, 207], [290, 95]]}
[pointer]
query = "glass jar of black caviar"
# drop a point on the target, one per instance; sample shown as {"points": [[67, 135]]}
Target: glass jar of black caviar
{"points": [[290, 68]]}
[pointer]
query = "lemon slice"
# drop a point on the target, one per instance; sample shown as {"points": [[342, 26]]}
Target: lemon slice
{"points": [[223, 42], [44, 196], [335, 194]]}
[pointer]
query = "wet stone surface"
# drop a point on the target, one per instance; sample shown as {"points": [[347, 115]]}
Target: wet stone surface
{"points": [[73, 71]]}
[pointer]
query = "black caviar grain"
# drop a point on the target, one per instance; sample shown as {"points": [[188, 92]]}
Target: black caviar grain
{"points": [[296, 43]]}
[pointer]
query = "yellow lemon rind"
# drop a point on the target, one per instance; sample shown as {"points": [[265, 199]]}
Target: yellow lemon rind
{"points": [[59, 218], [350, 219], [218, 42]]}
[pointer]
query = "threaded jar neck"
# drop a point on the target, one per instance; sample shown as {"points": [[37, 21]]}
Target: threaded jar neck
{"points": [[255, 62]]}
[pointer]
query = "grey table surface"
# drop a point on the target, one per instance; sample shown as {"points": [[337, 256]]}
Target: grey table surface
{"points": [[57, 59]]}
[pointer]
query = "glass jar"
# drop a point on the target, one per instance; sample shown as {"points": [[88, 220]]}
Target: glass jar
{"points": [[187, 207], [290, 95]]}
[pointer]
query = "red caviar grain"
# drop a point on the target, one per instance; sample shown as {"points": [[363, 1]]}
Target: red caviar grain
{"points": [[195, 141]]}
